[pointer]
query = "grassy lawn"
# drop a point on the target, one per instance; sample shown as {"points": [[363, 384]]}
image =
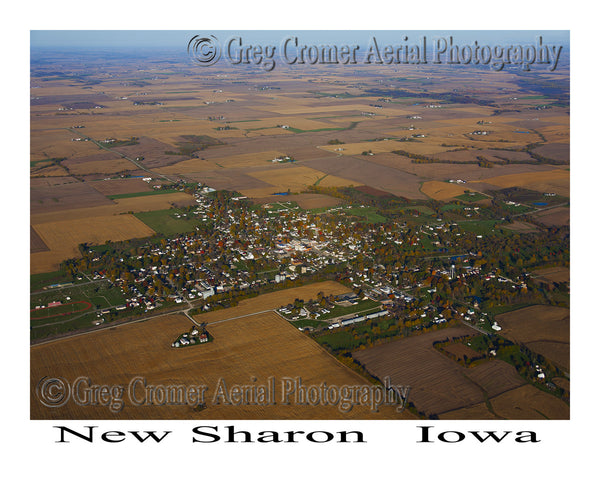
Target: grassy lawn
{"points": [[102, 294], [164, 221], [479, 226], [366, 306], [368, 213], [308, 323], [471, 197], [39, 280], [339, 341], [145, 193]]}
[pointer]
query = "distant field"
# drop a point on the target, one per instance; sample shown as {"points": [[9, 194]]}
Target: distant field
{"points": [[442, 190], [122, 205], [297, 178], [555, 181], [120, 186]]}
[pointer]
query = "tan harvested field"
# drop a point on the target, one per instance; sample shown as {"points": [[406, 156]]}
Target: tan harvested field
{"points": [[62, 237], [358, 148], [542, 328], [555, 181], [57, 143], [529, 403], [48, 171], [245, 351], [273, 300], [442, 190], [248, 159], [115, 207], [297, 178]]}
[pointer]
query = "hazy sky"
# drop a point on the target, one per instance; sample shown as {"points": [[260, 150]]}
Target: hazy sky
{"points": [[180, 38]]}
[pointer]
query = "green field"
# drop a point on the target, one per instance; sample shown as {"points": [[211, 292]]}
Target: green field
{"points": [[363, 306], [40, 280], [59, 311], [164, 221], [369, 214], [471, 197], [479, 226], [145, 193], [339, 341], [308, 323], [101, 294]]}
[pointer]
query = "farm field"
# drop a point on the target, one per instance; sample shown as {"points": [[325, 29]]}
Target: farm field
{"points": [[437, 384], [296, 179], [256, 347], [552, 274], [62, 237], [544, 329], [442, 190], [440, 386]]}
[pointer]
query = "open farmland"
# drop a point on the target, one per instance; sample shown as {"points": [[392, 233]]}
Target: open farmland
{"points": [[437, 383], [115, 207], [441, 387], [553, 181], [544, 329], [552, 274], [554, 216], [529, 403], [296, 178], [442, 190], [63, 237], [255, 347]]}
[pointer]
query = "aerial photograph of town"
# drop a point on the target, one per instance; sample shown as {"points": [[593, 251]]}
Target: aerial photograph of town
{"points": [[300, 225]]}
